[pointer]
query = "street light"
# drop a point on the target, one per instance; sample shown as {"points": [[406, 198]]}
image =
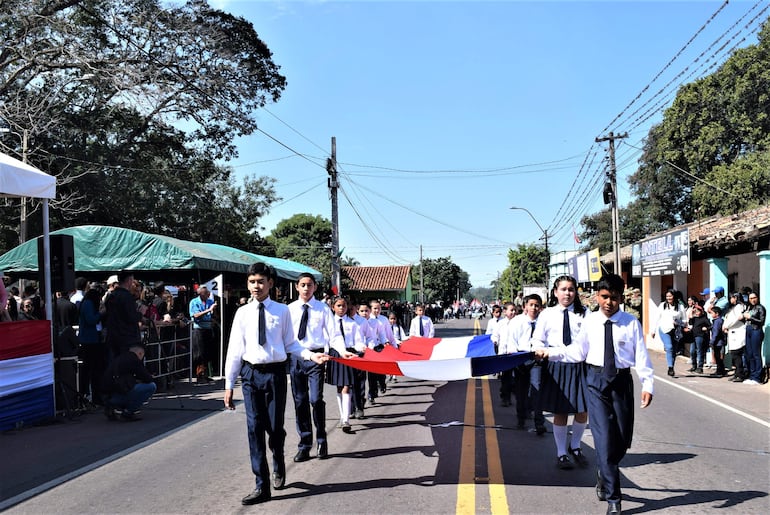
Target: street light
{"points": [[545, 238]]}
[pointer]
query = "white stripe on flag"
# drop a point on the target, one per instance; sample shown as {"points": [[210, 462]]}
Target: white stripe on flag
{"points": [[437, 370], [21, 374], [451, 348]]}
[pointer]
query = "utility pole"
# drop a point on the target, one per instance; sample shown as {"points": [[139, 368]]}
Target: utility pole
{"points": [[611, 197], [422, 284], [331, 168]]}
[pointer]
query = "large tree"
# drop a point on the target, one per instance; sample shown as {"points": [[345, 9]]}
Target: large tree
{"points": [[131, 103], [710, 153], [443, 280], [527, 264], [306, 239]]}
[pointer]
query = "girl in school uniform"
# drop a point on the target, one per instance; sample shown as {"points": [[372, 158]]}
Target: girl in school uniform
{"points": [[399, 335], [562, 384], [337, 374]]}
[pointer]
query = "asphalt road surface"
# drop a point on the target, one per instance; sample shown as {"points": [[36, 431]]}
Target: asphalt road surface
{"points": [[425, 447]]}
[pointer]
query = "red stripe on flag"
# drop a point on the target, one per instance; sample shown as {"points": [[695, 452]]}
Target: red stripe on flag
{"points": [[22, 339]]}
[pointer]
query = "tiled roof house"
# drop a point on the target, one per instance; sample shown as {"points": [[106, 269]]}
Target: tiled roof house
{"points": [[382, 282]]}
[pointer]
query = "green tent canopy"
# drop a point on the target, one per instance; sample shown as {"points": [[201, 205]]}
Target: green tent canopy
{"points": [[106, 249]]}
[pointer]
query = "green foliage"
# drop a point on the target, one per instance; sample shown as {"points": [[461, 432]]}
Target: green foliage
{"points": [[305, 239], [709, 154], [130, 104], [443, 280], [528, 264]]}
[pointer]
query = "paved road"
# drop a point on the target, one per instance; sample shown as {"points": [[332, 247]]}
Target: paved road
{"points": [[427, 447]]}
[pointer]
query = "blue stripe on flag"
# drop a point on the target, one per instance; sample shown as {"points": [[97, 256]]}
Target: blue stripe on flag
{"points": [[489, 365], [26, 407], [479, 346]]}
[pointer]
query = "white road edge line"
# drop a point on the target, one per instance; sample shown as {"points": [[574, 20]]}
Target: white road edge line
{"points": [[712, 401]]}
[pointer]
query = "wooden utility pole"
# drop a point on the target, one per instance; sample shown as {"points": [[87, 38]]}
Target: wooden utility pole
{"points": [[611, 197], [422, 283], [331, 168]]}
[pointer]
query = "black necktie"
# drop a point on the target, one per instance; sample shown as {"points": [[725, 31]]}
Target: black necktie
{"points": [[532, 331], [262, 333], [303, 323], [609, 352], [566, 333], [342, 330], [422, 330]]}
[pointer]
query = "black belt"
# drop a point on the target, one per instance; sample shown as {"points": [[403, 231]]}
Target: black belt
{"points": [[277, 366], [321, 350], [621, 371]]}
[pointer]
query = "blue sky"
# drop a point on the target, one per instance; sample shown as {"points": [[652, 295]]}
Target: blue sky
{"points": [[446, 114]]}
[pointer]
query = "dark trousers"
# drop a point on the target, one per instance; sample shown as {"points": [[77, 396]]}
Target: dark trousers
{"points": [[611, 411], [264, 397], [376, 382], [94, 357], [719, 360], [754, 339], [525, 392], [535, 372], [358, 391], [506, 384], [737, 357], [202, 341], [307, 388]]}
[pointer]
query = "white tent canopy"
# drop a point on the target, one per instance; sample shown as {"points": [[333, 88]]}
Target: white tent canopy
{"points": [[19, 179]]}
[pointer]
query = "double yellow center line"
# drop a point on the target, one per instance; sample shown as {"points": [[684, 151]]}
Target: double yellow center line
{"points": [[472, 470]]}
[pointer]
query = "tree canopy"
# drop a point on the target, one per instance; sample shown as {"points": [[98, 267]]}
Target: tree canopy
{"points": [[131, 104], [306, 239], [527, 264], [709, 155], [443, 280]]}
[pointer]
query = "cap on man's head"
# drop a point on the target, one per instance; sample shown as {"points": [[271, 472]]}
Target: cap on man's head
{"points": [[112, 280], [706, 291], [719, 289]]}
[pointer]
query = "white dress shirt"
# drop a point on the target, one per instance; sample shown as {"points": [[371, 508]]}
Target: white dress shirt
{"points": [[492, 324], [627, 340], [367, 331], [388, 330], [399, 335], [502, 335], [427, 326], [521, 331], [379, 336], [244, 344], [550, 323], [353, 339], [320, 324]]}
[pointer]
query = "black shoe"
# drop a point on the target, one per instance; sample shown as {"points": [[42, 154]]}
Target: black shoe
{"points": [[691, 369], [110, 413], [579, 458], [601, 494], [302, 455], [613, 507], [372, 401], [699, 370], [564, 463], [360, 414], [353, 414], [256, 497], [346, 428], [671, 371], [540, 430], [130, 416], [279, 480], [323, 451], [383, 390]]}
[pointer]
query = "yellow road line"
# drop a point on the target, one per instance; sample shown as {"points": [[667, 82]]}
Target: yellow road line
{"points": [[466, 486], [497, 497], [476, 327]]}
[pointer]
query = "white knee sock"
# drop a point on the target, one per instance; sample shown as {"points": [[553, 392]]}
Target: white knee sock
{"points": [[560, 437], [339, 404], [345, 411], [577, 434]]}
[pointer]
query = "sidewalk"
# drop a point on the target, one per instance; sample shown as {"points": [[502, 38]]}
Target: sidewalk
{"points": [[36, 455], [751, 399]]}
